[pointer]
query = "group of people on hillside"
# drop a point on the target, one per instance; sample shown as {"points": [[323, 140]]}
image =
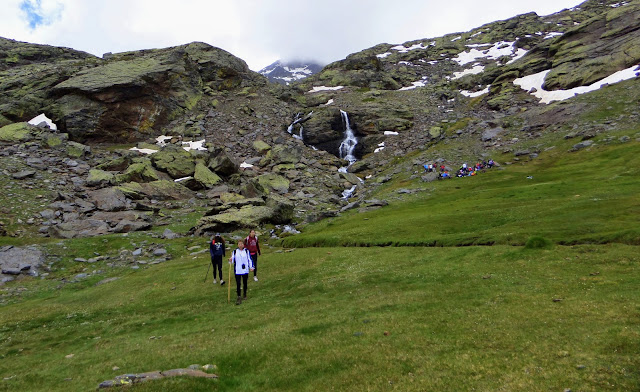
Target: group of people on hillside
{"points": [[464, 170], [244, 259]]}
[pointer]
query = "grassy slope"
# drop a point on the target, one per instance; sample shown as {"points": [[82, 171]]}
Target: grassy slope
{"points": [[459, 318], [316, 320], [581, 197]]}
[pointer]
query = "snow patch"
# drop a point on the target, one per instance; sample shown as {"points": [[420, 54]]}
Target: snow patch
{"points": [[197, 145], [324, 88], [497, 50], [536, 81], [383, 55], [43, 118], [456, 38], [471, 71], [419, 83], [162, 140], [146, 151], [404, 49], [182, 179], [616, 5], [553, 35], [329, 102], [390, 133], [245, 165], [476, 94]]}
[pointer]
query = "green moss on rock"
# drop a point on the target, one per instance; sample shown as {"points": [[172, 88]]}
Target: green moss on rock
{"points": [[13, 133]]}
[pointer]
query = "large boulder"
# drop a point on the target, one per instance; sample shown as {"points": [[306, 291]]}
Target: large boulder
{"points": [[138, 172], [17, 261], [109, 199], [99, 177], [223, 163], [14, 133], [283, 209], [159, 190], [204, 177], [175, 161], [274, 183], [79, 229], [234, 219]]}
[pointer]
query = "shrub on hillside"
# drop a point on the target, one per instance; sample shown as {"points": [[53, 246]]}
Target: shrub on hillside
{"points": [[537, 242]]}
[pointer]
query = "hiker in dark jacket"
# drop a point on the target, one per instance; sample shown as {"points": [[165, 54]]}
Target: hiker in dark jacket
{"points": [[217, 251]]}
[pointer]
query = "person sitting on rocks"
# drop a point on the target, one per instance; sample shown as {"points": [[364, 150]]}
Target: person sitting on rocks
{"points": [[242, 265], [217, 251]]}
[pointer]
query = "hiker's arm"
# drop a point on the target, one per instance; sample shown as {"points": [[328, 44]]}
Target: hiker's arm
{"points": [[258, 247]]}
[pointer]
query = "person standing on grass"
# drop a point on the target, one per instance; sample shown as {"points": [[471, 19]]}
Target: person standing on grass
{"points": [[217, 251], [242, 265], [251, 243]]}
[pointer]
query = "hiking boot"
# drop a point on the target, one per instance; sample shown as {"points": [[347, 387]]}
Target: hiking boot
{"points": [[222, 283], [255, 278], [239, 301], [214, 281], [244, 298]]}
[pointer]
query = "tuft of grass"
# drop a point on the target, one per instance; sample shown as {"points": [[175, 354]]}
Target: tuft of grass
{"points": [[537, 242]]}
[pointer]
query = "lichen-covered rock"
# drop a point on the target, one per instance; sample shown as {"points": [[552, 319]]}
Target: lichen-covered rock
{"points": [[138, 172], [175, 161], [234, 218], [77, 150], [261, 147], [99, 177], [15, 132], [273, 182], [205, 177], [159, 190], [79, 229]]}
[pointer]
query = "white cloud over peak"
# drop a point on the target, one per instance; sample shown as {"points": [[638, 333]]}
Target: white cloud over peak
{"points": [[259, 32]]}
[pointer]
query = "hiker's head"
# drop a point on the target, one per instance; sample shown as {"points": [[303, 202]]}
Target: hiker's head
{"points": [[241, 245], [218, 238], [252, 233]]}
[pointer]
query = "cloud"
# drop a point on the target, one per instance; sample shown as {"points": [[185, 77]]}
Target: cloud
{"points": [[37, 13], [258, 31]]}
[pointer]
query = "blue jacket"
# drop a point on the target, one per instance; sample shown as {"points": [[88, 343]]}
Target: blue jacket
{"points": [[216, 248]]}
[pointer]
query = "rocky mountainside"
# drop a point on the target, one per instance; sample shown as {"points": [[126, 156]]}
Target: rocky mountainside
{"points": [[288, 72], [216, 141]]}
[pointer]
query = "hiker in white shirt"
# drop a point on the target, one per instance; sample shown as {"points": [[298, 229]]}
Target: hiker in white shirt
{"points": [[241, 260]]}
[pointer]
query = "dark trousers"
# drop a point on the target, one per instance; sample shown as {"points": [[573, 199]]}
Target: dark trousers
{"points": [[254, 258], [245, 278], [216, 261]]}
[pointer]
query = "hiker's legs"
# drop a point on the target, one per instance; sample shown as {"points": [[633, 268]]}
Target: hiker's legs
{"points": [[245, 279], [238, 277], [254, 258], [218, 263]]}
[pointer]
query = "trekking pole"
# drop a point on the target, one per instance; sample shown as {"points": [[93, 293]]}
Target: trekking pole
{"points": [[205, 277], [229, 288]]}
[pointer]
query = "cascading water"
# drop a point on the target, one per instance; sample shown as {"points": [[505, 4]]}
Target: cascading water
{"points": [[348, 145], [297, 120], [346, 151]]}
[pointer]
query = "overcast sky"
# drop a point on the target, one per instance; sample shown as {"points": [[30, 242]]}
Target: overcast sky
{"points": [[259, 32]]}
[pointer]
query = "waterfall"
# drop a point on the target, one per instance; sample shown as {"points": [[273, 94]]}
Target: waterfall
{"points": [[298, 119], [348, 145]]}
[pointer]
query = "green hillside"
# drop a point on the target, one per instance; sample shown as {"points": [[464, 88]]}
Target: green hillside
{"points": [[504, 317]]}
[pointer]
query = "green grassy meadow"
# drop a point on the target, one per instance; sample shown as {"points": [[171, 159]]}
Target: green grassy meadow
{"points": [[464, 306]]}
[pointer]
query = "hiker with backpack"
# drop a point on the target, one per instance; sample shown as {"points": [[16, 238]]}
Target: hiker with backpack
{"points": [[217, 251], [251, 243], [242, 264]]}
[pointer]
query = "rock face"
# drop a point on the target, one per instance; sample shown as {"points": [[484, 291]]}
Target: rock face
{"points": [[123, 97], [19, 261]]}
